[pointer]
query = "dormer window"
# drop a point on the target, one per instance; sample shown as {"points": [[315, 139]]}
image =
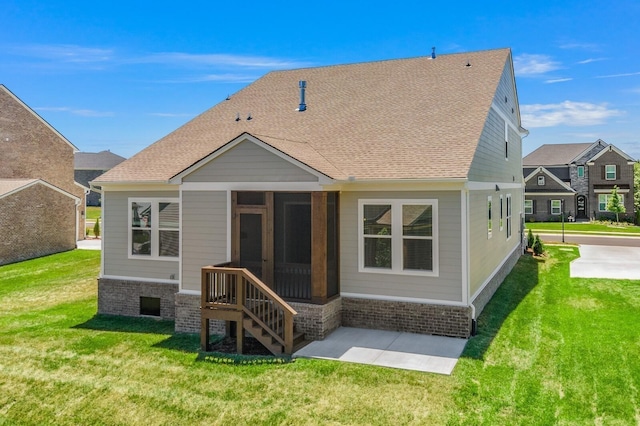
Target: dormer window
{"points": [[540, 180]]}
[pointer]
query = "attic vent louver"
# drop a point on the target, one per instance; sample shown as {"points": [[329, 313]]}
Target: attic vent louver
{"points": [[433, 53], [303, 86]]}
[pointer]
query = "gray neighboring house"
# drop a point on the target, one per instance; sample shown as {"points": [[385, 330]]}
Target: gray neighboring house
{"points": [[90, 165], [576, 178], [382, 195]]}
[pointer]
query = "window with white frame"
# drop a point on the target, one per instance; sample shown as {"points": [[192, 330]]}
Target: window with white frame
{"points": [[610, 172], [398, 236], [528, 206], [501, 214], [489, 219], [603, 201], [506, 140], [508, 215], [556, 207], [154, 228], [541, 180], [580, 171]]}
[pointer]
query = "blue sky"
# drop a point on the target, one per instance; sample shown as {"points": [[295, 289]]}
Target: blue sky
{"points": [[120, 75]]}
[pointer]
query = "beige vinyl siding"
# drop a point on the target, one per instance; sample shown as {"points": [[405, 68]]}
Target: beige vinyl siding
{"points": [[247, 162], [204, 234], [489, 163], [486, 254], [446, 287], [115, 210]]}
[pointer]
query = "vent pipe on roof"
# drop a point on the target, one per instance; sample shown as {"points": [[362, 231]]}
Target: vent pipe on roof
{"points": [[433, 53], [303, 86]]}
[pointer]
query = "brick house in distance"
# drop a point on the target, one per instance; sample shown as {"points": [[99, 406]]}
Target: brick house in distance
{"points": [[41, 206], [90, 165], [576, 178]]}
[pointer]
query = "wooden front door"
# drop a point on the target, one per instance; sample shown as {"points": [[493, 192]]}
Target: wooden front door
{"points": [[252, 240]]}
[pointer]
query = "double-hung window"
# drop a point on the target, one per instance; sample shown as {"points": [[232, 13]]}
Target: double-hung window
{"points": [[154, 228], [610, 172], [398, 236], [528, 206], [556, 207], [603, 201], [508, 215]]}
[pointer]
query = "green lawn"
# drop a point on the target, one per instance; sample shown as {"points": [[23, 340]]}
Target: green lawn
{"points": [[93, 212], [551, 350], [586, 227]]}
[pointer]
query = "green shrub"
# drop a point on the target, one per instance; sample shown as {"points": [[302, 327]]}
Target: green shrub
{"points": [[530, 239], [96, 228], [538, 247]]}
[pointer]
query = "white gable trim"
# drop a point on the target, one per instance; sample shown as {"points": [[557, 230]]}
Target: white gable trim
{"points": [[246, 137], [551, 175], [42, 120], [48, 185], [593, 145], [610, 148]]}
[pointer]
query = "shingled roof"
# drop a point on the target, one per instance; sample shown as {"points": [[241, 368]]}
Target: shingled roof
{"points": [[417, 118], [103, 160], [555, 154]]}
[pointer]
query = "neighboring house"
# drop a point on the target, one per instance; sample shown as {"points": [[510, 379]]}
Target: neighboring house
{"points": [[382, 195], [576, 179], [90, 165], [41, 206]]}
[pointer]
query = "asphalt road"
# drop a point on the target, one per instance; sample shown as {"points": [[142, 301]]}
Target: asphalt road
{"points": [[595, 240]]}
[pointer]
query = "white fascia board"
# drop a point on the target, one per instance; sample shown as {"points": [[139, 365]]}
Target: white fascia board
{"points": [[251, 186], [137, 186], [487, 186], [436, 184], [610, 148], [546, 194], [246, 137]]}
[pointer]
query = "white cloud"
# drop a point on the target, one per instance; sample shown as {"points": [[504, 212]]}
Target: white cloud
{"points": [[590, 60], [69, 53], [558, 80], [628, 74], [74, 111], [567, 113], [528, 64], [580, 46], [214, 59]]}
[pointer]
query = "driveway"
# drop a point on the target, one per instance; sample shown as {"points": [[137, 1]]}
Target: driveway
{"points": [[612, 262]]}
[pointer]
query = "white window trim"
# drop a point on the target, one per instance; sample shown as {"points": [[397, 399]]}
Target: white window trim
{"points": [[506, 140], [530, 207], [397, 237], [509, 216], [541, 179], [501, 213], [606, 201], [155, 228], [551, 208], [606, 173]]}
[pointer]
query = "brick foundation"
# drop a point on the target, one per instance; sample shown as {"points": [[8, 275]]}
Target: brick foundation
{"points": [[188, 315], [444, 320], [317, 321], [487, 292], [120, 297]]}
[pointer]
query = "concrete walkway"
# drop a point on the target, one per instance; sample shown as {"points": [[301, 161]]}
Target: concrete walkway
{"points": [[612, 262], [89, 244], [433, 354]]}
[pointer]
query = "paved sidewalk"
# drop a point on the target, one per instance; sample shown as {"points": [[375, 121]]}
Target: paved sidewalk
{"points": [[89, 244], [612, 262], [433, 354]]}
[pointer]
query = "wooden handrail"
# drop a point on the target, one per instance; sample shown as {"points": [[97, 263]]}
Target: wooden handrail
{"points": [[237, 289]]}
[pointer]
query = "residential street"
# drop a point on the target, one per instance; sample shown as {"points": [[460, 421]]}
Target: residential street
{"points": [[597, 240]]}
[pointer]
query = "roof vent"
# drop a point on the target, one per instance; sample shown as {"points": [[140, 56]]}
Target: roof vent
{"points": [[303, 86], [433, 53], [238, 117]]}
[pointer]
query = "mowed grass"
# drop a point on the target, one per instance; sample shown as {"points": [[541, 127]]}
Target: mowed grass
{"points": [[550, 350], [93, 212], [585, 227]]}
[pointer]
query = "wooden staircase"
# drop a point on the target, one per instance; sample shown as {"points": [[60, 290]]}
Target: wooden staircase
{"points": [[236, 295]]}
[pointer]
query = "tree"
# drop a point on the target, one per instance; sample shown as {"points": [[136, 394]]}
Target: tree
{"points": [[614, 204], [538, 247], [530, 239], [96, 228], [636, 190]]}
